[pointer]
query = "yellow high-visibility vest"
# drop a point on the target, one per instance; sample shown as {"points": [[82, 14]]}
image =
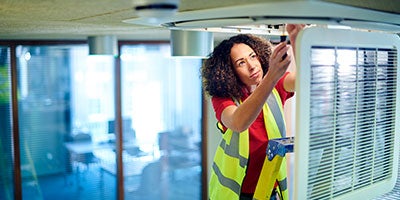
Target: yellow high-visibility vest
{"points": [[231, 157]]}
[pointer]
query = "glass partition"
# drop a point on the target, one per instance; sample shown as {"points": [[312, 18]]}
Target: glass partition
{"points": [[6, 171], [67, 122], [161, 97], [65, 97]]}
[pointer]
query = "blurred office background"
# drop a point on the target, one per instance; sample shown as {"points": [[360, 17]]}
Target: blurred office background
{"points": [[66, 121]]}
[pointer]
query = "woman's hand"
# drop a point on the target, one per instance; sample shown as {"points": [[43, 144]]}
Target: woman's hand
{"points": [[279, 62], [293, 30]]}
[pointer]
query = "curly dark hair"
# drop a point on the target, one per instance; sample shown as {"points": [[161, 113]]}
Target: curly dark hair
{"points": [[218, 75]]}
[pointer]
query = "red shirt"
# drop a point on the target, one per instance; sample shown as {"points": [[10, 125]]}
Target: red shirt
{"points": [[257, 135]]}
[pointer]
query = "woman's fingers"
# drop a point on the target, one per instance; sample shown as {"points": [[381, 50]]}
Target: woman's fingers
{"points": [[280, 51], [280, 59], [293, 30]]}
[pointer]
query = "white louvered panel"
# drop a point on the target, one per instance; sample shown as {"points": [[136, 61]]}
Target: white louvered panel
{"points": [[350, 108], [351, 104]]}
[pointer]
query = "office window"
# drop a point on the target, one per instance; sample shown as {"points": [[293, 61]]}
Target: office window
{"points": [[6, 171], [60, 94], [162, 98]]}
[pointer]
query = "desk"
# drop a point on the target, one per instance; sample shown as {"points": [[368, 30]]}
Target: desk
{"points": [[132, 166], [86, 147], [105, 153], [81, 153]]}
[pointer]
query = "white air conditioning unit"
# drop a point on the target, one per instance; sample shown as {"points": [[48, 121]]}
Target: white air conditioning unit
{"points": [[348, 114], [256, 16]]}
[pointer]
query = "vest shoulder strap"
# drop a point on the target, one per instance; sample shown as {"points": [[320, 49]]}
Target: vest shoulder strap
{"points": [[275, 106]]}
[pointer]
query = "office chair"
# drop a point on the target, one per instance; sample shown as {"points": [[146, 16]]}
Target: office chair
{"points": [[86, 158]]}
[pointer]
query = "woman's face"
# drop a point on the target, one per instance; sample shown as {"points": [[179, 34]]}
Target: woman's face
{"points": [[246, 65]]}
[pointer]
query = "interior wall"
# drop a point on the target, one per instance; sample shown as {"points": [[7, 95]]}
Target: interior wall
{"points": [[213, 136]]}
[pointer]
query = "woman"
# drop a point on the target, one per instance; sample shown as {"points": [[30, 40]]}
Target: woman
{"points": [[240, 75]]}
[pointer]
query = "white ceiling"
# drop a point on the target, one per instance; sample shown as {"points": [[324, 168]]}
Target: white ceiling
{"points": [[77, 19]]}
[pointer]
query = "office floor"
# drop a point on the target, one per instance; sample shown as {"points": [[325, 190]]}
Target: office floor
{"points": [[95, 183]]}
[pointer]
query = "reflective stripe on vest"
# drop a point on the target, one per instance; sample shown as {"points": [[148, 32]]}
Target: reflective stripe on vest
{"points": [[277, 112], [231, 156]]}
